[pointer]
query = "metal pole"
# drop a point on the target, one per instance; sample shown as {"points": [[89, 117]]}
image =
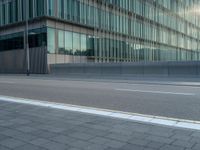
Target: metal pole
{"points": [[26, 40]]}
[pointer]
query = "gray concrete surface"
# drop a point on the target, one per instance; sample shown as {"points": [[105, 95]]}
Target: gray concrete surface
{"points": [[146, 97], [27, 127], [181, 69], [14, 61]]}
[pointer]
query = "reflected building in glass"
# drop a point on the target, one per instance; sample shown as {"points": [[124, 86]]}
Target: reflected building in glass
{"points": [[78, 31]]}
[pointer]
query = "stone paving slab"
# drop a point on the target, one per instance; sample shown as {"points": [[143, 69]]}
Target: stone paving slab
{"points": [[27, 127]]}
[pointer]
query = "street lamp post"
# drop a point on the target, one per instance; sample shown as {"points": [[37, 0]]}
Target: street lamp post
{"points": [[26, 44]]}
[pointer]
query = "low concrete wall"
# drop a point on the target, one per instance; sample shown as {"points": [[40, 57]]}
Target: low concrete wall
{"points": [[130, 69], [14, 61]]}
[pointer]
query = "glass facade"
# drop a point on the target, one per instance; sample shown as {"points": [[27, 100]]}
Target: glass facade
{"points": [[12, 11], [70, 43], [37, 38], [121, 30]]}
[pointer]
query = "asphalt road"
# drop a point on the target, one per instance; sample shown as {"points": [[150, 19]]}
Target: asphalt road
{"points": [[152, 99]]}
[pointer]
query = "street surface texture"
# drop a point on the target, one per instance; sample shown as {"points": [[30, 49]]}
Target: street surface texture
{"points": [[161, 97], [28, 127]]}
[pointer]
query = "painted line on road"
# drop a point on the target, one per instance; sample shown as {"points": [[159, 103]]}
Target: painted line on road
{"points": [[156, 92], [156, 120]]}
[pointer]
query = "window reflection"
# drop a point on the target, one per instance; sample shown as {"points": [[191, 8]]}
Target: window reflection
{"points": [[83, 45], [61, 47], [37, 38], [68, 43], [51, 40], [76, 44]]}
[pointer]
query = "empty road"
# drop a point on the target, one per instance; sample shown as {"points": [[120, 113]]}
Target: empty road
{"points": [[182, 102]]}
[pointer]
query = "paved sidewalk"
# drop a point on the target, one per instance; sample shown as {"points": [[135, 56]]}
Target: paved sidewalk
{"points": [[27, 127]]}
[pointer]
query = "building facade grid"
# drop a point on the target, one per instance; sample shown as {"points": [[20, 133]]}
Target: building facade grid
{"points": [[117, 30]]}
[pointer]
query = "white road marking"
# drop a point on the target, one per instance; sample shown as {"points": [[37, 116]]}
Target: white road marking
{"points": [[157, 120], [156, 92]]}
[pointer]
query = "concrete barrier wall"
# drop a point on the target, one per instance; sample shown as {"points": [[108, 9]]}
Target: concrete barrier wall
{"points": [[130, 69], [14, 61]]}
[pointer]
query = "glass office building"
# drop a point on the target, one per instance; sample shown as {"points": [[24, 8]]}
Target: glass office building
{"points": [[104, 30]]}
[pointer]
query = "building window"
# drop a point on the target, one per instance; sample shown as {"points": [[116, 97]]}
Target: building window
{"points": [[51, 40], [68, 43], [76, 44], [51, 7], [61, 46]]}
